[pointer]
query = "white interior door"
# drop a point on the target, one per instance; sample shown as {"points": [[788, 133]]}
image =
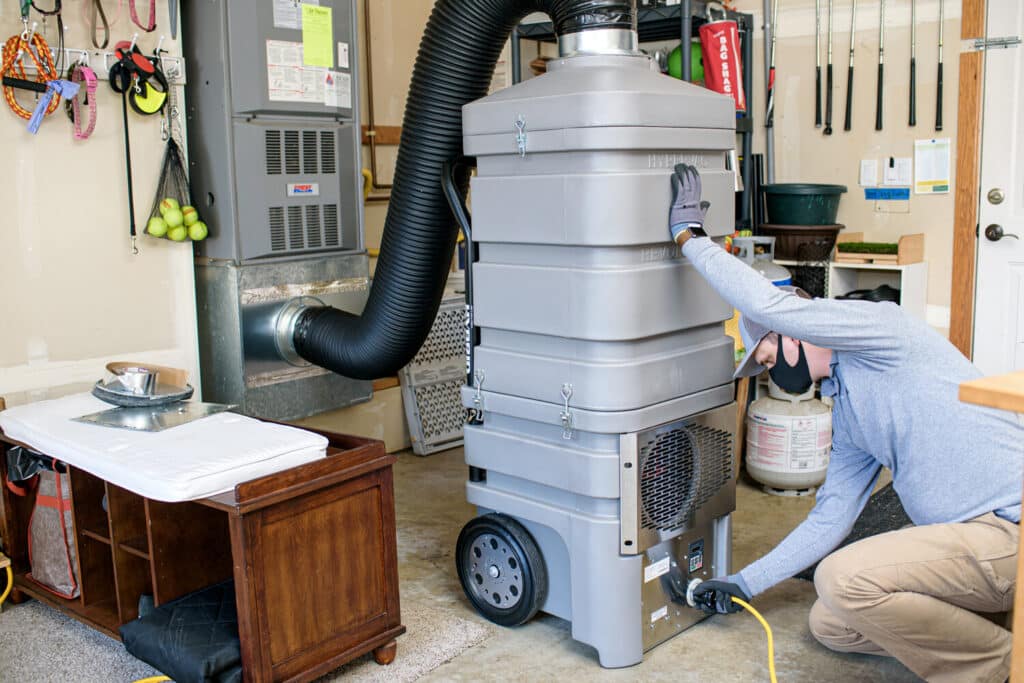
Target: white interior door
{"points": [[999, 294]]}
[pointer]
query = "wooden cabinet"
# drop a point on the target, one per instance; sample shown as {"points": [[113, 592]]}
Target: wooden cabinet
{"points": [[312, 551]]}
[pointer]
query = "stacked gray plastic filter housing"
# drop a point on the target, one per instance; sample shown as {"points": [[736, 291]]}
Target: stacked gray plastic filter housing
{"points": [[603, 375]]}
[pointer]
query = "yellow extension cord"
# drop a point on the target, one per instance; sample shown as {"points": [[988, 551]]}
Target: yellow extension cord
{"points": [[10, 585], [153, 679], [767, 629]]}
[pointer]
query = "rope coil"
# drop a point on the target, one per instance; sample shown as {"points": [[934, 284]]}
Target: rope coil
{"points": [[12, 64]]}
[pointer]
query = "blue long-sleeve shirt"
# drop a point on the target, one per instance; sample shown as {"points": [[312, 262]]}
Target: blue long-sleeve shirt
{"points": [[895, 385]]}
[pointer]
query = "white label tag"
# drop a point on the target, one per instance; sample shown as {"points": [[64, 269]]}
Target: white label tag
{"points": [[342, 55], [303, 189], [653, 571], [659, 614]]}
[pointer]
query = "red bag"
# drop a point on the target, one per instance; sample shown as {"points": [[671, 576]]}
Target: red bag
{"points": [[723, 68], [51, 545]]}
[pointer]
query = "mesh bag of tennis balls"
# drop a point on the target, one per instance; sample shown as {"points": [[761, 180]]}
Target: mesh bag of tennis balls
{"points": [[172, 215]]}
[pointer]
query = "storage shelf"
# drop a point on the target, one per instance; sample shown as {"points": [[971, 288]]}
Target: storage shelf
{"points": [[102, 538], [653, 23], [101, 615], [137, 546], [872, 266]]}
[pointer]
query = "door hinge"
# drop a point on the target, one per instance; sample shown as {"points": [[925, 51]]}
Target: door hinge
{"points": [[978, 44]]}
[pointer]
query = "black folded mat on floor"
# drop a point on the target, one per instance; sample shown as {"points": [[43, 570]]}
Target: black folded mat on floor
{"points": [[884, 512], [193, 639]]}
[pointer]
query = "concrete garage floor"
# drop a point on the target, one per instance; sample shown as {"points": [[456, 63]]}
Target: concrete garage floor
{"points": [[431, 509]]}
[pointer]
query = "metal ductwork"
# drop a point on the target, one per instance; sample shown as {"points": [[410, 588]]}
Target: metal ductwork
{"points": [[459, 50]]}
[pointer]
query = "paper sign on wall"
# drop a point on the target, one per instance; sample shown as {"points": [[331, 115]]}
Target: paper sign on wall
{"points": [[899, 171], [288, 13], [931, 166], [317, 36], [868, 172]]}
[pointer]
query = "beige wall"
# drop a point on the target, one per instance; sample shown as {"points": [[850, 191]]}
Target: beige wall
{"points": [[804, 154], [72, 297]]}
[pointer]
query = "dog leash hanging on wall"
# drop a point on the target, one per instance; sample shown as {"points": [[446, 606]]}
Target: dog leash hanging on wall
{"points": [[150, 25], [80, 73]]}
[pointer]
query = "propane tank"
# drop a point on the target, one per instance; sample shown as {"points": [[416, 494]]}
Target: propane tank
{"points": [[759, 254], [789, 439]]}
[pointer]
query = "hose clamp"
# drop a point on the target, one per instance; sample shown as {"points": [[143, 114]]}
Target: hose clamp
{"points": [[284, 328]]}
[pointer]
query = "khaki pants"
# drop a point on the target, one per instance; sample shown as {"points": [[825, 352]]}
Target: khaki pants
{"points": [[914, 594]]}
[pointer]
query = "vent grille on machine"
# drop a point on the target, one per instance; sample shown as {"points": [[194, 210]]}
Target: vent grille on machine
{"points": [[310, 158], [328, 160], [291, 152], [309, 226], [680, 470], [277, 241], [272, 140]]}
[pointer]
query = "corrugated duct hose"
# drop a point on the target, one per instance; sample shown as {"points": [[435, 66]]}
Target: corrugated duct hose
{"points": [[460, 47]]}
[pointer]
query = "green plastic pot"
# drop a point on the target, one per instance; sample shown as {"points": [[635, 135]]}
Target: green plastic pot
{"points": [[802, 203]]}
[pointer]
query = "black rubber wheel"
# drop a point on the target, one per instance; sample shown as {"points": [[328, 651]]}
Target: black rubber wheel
{"points": [[501, 569]]}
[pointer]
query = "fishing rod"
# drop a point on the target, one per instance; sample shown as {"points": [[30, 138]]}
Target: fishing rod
{"points": [[881, 65], [828, 76], [913, 62], [817, 63], [938, 82], [847, 124]]}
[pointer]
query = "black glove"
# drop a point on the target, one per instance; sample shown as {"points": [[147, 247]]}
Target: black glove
{"points": [[715, 596]]}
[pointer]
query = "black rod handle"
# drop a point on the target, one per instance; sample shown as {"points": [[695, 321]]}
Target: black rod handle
{"points": [[913, 91], [878, 99], [828, 100], [938, 100], [848, 122], [817, 97]]}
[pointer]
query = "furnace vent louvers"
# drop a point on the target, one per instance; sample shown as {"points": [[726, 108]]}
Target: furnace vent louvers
{"points": [[331, 238], [276, 216], [291, 152], [272, 139], [310, 158], [309, 226], [328, 158], [295, 239], [313, 226]]}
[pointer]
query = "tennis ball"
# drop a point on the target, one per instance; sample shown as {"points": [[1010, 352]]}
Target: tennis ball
{"points": [[198, 231], [190, 214], [157, 227], [173, 218], [169, 204], [178, 233]]}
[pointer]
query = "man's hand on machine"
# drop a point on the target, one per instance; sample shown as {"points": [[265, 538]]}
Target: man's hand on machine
{"points": [[715, 596], [687, 211]]}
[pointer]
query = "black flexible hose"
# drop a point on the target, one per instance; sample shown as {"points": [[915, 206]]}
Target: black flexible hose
{"points": [[456, 59]]}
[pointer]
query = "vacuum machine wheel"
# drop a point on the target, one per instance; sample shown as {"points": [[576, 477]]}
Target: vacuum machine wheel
{"points": [[501, 569]]}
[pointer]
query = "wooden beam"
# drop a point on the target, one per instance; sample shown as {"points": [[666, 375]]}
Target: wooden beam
{"points": [[968, 179], [384, 135], [972, 19], [385, 383]]}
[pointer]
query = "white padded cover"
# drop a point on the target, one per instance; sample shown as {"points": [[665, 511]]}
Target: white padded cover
{"points": [[191, 461]]}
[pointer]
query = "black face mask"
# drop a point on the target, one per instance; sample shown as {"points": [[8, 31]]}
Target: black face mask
{"points": [[796, 379]]}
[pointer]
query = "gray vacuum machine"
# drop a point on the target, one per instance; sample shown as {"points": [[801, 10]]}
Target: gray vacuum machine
{"points": [[600, 445]]}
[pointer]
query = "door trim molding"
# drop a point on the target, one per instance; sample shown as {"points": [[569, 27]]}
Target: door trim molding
{"points": [[968, 178]]}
